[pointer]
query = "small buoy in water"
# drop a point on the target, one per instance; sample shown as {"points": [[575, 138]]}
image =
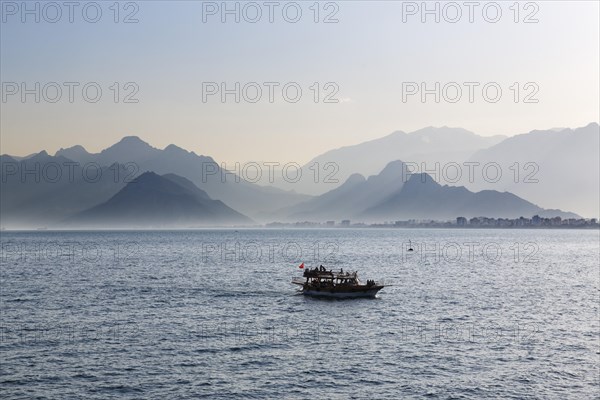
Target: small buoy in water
{"points": [[410, 246]]}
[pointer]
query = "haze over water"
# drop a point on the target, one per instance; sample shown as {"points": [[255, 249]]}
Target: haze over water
{"points": [[212, 314]]}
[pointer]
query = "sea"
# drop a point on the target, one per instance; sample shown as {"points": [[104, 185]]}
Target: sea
{"points": [[467, 314]]}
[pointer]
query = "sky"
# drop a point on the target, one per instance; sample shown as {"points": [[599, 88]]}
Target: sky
{"points": [[362, 68]]}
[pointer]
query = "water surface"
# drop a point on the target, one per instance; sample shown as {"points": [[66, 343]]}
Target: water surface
{"points": [[192, 314]]}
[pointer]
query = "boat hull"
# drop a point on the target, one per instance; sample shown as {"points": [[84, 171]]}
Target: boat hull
{"points": [[346, 294]]}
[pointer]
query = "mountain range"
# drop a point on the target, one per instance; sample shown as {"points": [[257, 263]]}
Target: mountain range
{"points": [[428, 145], [397, 194], [553, 168], [43, 189], [203, 171], [133, 181]]}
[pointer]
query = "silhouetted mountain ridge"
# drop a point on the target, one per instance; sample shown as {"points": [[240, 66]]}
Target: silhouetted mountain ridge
{"points": [[396, 194], [551, 168], [430, 144], [154, 201], [249, 198]]}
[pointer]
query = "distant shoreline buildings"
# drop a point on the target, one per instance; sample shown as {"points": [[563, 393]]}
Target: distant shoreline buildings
{"points": [[461, 222]]}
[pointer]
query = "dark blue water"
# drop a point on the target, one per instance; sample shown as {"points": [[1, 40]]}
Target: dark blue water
{"points": [[212, 314]]}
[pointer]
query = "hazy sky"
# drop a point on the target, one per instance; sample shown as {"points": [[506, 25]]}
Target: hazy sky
{"points": [[371, 55]]}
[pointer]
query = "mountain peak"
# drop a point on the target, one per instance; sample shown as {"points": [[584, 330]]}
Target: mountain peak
{"points": [[442, 130], [77, 147], [148, 176], [591, 126], [422, 177], [355, 178], [75, 153], [130, 143], [152, 200], [393, 169], [42, 156], [175, 149], [132, 140], [128, 149], [421, 183]]}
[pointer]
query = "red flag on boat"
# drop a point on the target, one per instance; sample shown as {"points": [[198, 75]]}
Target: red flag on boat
{"points": [[301, 266]]}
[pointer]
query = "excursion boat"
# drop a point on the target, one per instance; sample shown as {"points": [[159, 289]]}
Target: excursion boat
{"points": [[326, 283]]}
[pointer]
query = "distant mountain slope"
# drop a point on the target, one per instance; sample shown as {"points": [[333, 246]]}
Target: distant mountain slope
{"points": [[188, 185], [394, 194], [425, 145], [423, 198], [250, 198], [154, 201], [76, 153], [352, 197], [555, 168], [42, 190]]}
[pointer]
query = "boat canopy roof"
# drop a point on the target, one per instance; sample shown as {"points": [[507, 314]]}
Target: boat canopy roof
{"points": [[330, 274]]}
